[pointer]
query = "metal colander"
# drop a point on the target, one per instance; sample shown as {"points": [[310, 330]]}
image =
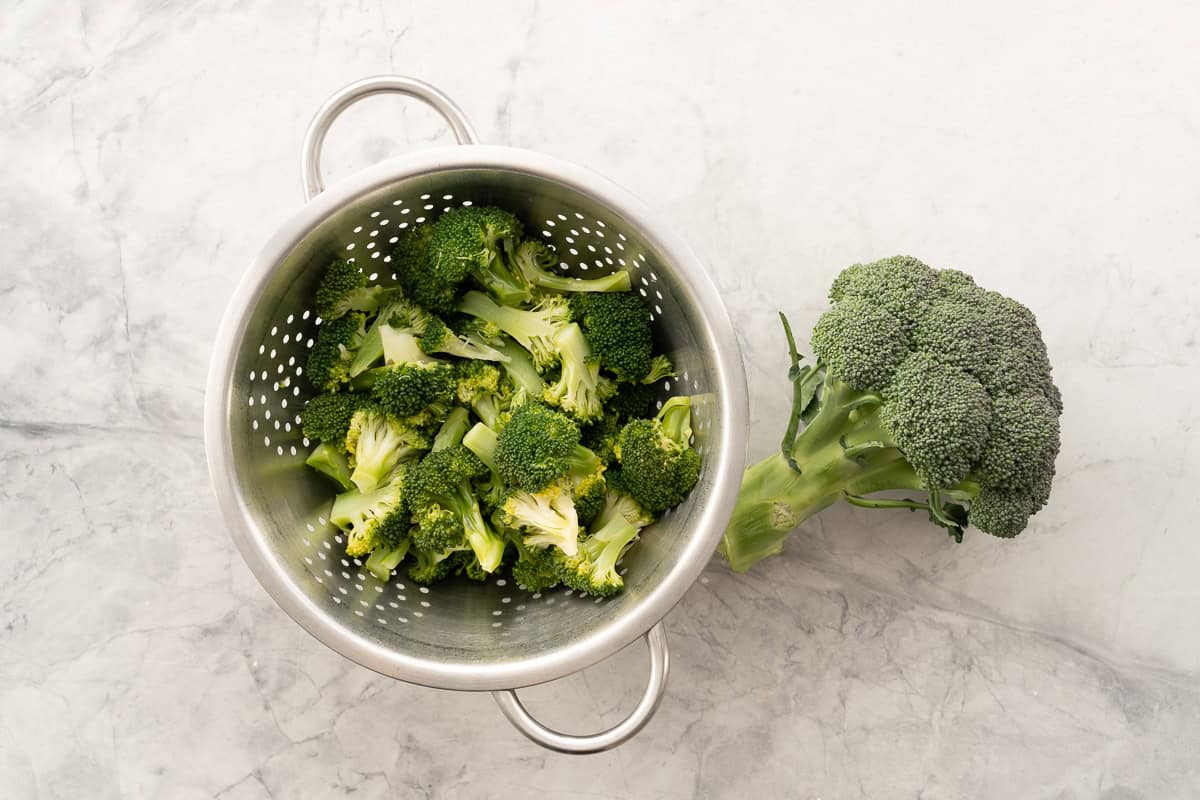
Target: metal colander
{"points": [[461, 635]]}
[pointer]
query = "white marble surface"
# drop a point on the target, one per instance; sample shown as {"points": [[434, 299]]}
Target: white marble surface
{"points": [[149, 149]]}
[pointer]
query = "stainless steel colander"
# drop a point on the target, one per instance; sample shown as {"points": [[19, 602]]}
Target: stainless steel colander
{"points": [[493, 637]]}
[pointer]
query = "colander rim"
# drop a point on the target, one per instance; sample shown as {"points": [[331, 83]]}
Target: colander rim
{"points": [[611, 636]]}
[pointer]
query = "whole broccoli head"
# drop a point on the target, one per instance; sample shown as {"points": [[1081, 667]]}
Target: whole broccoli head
{"points": [[925, 382]]}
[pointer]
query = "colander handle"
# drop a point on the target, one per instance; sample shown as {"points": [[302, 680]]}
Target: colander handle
{"points": [[510, 704], [314, 138]]}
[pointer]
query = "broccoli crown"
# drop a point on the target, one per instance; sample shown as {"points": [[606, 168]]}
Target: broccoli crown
{"points": [[329, 360], [593, 570], [326, 417], [658, 467], [617, 327], [377, 442], [964, 378], [546, 517], [406, 389], [411, 260], [341, 277], [432, 567], [475, 379], [437, 529], [535, 447]]}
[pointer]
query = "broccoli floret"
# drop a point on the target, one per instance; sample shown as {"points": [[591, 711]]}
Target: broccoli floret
{"points": [[359, 515], [658, 465], [430, 568], [377, 442], [326, 417], [330, 460], [660, 368], [593, 570], [535, 570], [588, 493], [412, 261], [547, 518], [618, 503], [344, 289], [578, 390], [538, 446], [533, 329], [618, 329], [479, 385], [443, 478], [437, 530], [397, 317], [391, 545], [533, 261], [408, 389], [925, 383], [470, 241], [438, 338], [328, 366]]}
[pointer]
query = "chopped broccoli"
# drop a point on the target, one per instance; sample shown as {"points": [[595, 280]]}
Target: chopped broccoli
{"points": [[328, 366], [443, 478], [658, 465], [359, 515], [408, 389], [535, 570], [546, 517], [330, 460], [588, 493], [326, 417], [617, 327], [533, 329], [924, 382], [479, 386], [412, 261], [593, 570], [391, 545], [532, 261], [469, 241], [438, 338], [660, 368], [453, 429], [578, 390], [343, 289], [520, 368], [538, 446], [377, 442]]}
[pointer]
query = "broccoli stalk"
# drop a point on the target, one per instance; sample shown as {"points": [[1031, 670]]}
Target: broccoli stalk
{"points": [[533, 261], [443, 478], [924, 383], [533, 329], [578, 389], [452, 430], [438, 338], [330, 460], [593, 570]]}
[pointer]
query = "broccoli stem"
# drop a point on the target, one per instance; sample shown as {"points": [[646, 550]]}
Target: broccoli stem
{"points": [[331, 462], [481, 440], [383, 560], [452, 430], [828, 462]]}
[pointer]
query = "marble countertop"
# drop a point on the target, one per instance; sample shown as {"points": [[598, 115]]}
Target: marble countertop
{"points": [[149, 150]]}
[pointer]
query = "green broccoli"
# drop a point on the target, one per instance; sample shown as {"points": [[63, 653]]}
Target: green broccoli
{"points": [[326, 417], [593, 570], [431, 567], [359, 514], [453, 428], [412, 261], [537, 447], [438, 338], [520, 368], [535, 570], [546, 517], [658, 465], [408, 389], [376, 442], [470, 241], [588, 492], [924, 382], [443, 478], [533, 262], [344, 289], [397, 317], [533, 329], [617, 327], [328, 367], [330, 460], [579, 390], [391, 545], [480, 386]]}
